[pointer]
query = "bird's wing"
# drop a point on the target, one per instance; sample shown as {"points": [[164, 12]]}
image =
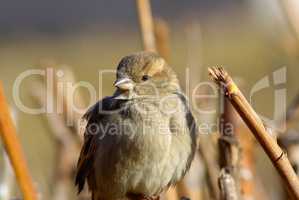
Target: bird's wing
{"points": [[91, 141], [192, 130], [191, 122], [86, 158], [85, 162]]}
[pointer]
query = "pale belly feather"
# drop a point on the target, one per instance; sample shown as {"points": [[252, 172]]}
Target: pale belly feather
{"points": [[143, 163]]}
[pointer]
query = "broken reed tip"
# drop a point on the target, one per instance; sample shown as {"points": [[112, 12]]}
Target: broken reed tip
{"points": [[218, 74]]}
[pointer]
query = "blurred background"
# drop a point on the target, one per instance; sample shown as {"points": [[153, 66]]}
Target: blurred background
{"points": [[250, 38]]}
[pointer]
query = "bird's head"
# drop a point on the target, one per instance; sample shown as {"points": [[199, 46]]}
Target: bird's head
{"points": [[144, 74]]}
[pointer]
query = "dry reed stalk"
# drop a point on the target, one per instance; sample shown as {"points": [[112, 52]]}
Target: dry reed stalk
{"points": [[65, 97], [228, 155], [228, 142], [269, 144], [227, 186], [206, 152], [289, 139], [290, 10], [7, 182], [290, 14], [69, 114], [293, 110], [8, 179], [67, 141], [247, 171], [250, 184], [14, 150], [146, 25], [244, 162], [161, 31]]}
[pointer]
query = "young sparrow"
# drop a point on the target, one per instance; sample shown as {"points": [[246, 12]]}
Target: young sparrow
{"points": [[141, 140]]}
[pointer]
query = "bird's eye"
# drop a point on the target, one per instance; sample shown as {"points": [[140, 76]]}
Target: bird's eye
{"points": [[145, 77]]}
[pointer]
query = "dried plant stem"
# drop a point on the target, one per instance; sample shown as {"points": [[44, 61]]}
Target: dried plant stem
{"points": [[269, 144], [227, 186], [289, 139], [206, 152], [67, 138], [8, 179], [146, 25], [14, 150], [161, 31], [247, 170], [290, 11], [243, 165], [228, 155], [293, 110]]}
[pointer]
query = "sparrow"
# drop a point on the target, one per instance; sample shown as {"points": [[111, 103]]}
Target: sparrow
{"points": [[142, 139]]}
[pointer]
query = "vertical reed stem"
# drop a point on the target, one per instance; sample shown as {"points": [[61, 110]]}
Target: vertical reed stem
{"points": [[14, 151], [146, 25], [255, 124]]}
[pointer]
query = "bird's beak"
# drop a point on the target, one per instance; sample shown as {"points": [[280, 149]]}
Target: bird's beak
{"points": [[124, 84]]}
